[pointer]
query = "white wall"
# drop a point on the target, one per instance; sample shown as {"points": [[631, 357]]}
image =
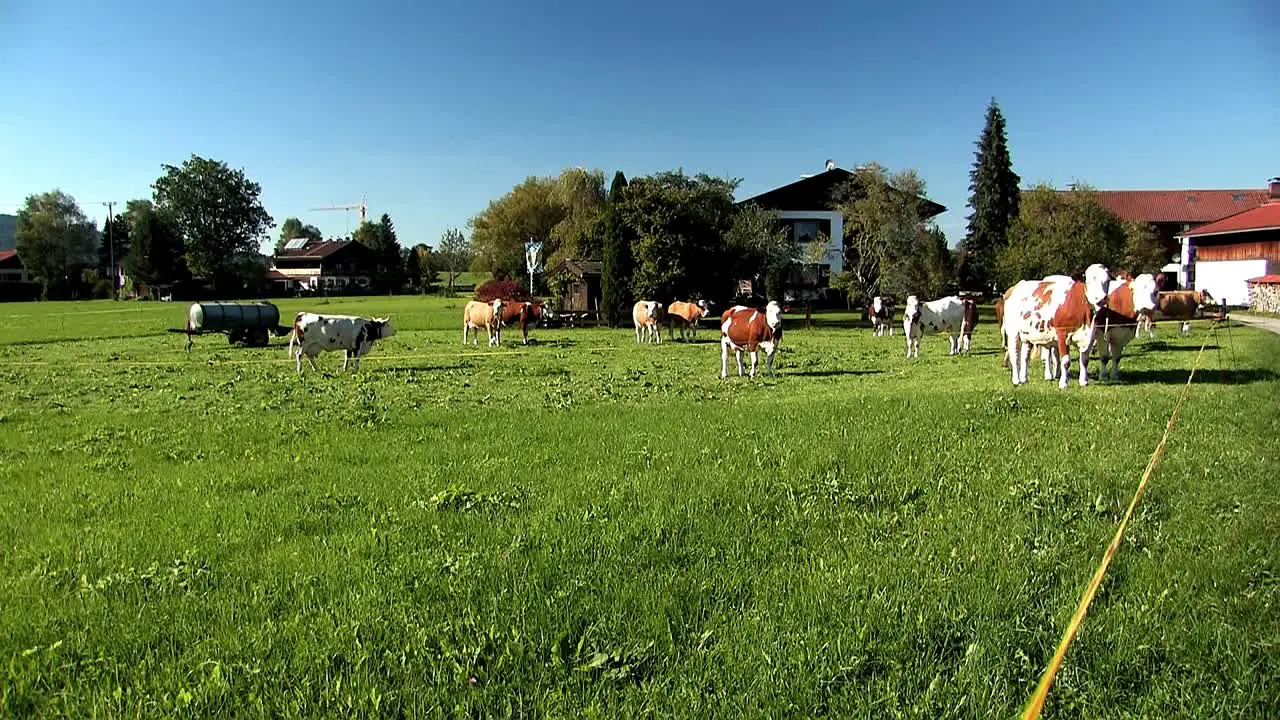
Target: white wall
{"points": [[835, 244], [1225, 279]]}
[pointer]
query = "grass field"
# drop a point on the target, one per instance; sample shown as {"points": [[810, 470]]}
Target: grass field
{"points": [[590, 528]]}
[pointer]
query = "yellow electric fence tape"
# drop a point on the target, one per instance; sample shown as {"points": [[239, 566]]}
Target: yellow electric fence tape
{"points": [[1036, 703]]}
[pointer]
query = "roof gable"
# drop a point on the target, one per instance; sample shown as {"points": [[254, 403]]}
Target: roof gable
{"points": [[1263, 217], [817, 192]]}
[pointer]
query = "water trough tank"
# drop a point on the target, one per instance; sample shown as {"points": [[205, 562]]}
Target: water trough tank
{"points": [[219, 317]]}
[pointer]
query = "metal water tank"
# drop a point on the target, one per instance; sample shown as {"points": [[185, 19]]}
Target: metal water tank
{"points": [[220, 317]]}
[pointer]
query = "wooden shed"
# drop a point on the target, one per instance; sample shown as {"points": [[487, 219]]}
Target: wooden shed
{"points": [[579, 281]]}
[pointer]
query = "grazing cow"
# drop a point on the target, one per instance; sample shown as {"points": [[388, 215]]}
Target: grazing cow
{"points": [[647, 314], [951, 313], [686, 315], [354, 336], [1176, 305], [746, 329], [478, 315], [881, 314], [1053, 313], [529, 314], [1117, 321]]}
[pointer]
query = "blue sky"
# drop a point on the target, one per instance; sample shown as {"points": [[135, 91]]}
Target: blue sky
{"points": [[431, 110]]}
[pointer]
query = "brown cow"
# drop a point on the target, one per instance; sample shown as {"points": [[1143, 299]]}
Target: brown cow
{"points": [[1176, 305], [646, 314], [746, 329], [478, 315], [528, 313], [1054, 313], [686, 315]]}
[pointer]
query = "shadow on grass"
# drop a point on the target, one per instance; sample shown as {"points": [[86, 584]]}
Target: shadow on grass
{"points": [[1206, 376], [832, 373]]}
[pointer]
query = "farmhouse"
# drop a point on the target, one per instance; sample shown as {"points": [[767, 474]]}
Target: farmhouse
{"points": [[1172, 212], [807, 208], [328, 265], [580, 280], [11, 268], [1228, 253]]}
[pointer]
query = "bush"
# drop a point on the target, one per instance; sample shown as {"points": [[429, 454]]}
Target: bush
{"points": [[502, 289]]}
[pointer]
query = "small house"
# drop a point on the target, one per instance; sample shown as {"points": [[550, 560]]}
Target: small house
{"points": [[11, 267], [579, 281], [330, 266]]}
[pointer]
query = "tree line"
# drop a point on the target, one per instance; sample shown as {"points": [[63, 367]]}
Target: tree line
{"points": [[663, 235]]}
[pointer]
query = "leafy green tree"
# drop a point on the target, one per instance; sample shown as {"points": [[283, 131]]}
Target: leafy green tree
{"points": [[562, 211], [453, 255], [422, 263], [293, 229], [380, 238], [155, 254], [1143, 251], [993, 200], [615, 282], [679, 223], [55, 239], [763, 249], [890, 248], [217, 212], [1059, 233]]}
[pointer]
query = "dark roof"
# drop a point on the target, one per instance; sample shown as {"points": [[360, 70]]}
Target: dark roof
{"points": [[315, 250], [277, 275], [581, 268], [1178, 206], [817, 192], [1263, 217]]}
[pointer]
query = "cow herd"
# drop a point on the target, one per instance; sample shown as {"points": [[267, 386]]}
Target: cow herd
{"points": [[1047, 316]]}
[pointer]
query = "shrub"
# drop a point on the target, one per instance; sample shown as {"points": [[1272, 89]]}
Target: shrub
{"points": [[505, 289]]}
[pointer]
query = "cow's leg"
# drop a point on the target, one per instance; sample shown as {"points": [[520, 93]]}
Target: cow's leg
{"points": [[657, 333], [464, 332], [1064, 353], [754, 357], [724, 358], [1024, 359], [297, 357], [737, 355]]}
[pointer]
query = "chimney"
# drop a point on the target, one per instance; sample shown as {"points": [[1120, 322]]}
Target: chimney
{"points": [[1273, 186]]}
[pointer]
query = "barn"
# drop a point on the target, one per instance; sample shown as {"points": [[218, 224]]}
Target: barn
{"points": [[579, 284], [1228, 253]]}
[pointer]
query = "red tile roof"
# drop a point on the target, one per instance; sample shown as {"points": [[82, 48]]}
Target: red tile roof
{"points": [[1265, 280], [6, 254], [1264, 217], [1180, 206]]}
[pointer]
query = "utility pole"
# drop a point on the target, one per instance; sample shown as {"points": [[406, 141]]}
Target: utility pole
{"points": [[111, 249]]}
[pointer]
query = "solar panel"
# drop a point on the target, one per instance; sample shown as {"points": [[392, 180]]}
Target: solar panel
{"points": [[296, 244]]}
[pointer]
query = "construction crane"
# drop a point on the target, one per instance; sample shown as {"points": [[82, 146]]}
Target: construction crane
{"points": [[361, 206]]}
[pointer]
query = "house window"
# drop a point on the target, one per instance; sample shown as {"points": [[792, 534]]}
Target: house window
{"points": [[807, 230], [1237, 197]]}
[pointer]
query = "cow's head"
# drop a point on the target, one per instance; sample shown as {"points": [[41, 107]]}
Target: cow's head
{"points": [[912, 310], [382, 328], [497, 306], [1097, 284], [704, 306], [1144, 293], [773, 315], [877, 305]]}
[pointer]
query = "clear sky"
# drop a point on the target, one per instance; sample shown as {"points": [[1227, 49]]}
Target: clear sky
{"points": [[433, 109]]}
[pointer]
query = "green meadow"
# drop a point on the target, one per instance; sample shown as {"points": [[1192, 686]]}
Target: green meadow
{"points": [[585, 527]]}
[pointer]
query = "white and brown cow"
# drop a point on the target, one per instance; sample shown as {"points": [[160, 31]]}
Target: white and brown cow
{"points": [[476, 315], [527, 313], [686, 315], [1054, 313], [647, 315], [881, 314], [950, 313], [745, 329], [354, 336], [1129, 300]]}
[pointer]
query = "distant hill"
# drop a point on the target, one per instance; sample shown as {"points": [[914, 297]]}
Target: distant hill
{"points": [[8, 232]]}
